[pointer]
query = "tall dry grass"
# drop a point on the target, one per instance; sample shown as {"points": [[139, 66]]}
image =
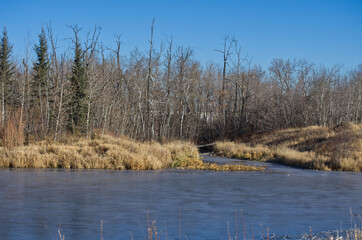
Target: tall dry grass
{"points": [[108, 152], [337, 148]]}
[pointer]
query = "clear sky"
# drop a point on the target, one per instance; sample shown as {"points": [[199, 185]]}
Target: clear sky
{"points": [[324, 31]]}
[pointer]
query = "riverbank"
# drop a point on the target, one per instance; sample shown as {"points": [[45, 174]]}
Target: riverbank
{"points": [[337, 148], [108, 152]]}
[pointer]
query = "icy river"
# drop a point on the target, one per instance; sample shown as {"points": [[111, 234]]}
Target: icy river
{"points": [[35, 203]]}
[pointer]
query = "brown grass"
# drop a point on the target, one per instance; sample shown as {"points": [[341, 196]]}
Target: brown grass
{"points": [[187, 163], [241, 151], [108, 152], [322, 148]]}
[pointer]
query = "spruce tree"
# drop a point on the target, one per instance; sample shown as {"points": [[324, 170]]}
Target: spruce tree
{"points": [[6, 71], [41, 70], [78, 107], [39, 85]]}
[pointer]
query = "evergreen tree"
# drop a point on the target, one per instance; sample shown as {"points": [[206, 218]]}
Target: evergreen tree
{"points": [[6, 71], [41, 69], [78, 106], [39, 85]]}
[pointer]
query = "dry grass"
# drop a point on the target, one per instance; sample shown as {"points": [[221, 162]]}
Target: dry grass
{"points": [[107, 152], [241, 151], [322, 148], [200, 165], [186, 160], [156, 232]]}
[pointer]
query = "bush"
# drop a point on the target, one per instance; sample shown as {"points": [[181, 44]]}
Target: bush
{"points": [[13, 131]]}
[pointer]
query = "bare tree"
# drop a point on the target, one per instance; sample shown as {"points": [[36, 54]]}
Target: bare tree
{"points": [[226, 52]]}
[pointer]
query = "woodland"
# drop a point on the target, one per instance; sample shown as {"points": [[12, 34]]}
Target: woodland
{"points": [[163, 93]]}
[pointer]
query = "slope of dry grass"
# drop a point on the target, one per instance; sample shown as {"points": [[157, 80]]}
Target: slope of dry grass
{"points": [[322, 148], [107, 152]]}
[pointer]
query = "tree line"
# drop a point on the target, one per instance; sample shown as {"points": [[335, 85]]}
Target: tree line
{"points": [[164, 93]]}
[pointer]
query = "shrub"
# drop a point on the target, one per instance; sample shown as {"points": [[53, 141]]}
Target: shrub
{"points": [[13, 131]]}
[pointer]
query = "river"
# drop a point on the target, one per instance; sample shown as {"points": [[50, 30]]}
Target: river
{"points": [[35, 203]]}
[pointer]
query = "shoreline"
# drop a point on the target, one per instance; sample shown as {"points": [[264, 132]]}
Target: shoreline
{"points": [[336, 148], [108, 152]]}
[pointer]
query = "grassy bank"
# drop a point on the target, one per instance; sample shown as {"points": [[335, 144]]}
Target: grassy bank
{"points": [[107, 152], [322, 148]]}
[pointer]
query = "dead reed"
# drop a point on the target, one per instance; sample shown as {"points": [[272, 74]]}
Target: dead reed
{"points": [[244, 231]]}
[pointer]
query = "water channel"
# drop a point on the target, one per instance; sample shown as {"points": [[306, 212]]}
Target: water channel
{"points": [[35, 203]]}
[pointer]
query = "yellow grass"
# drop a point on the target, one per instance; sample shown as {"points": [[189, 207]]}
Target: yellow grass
{"points": [[198, 164], [107, 152], [187, 161], [322, 148], [241, 151]]}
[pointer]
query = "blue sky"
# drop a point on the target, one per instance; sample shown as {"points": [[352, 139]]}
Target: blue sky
{"points": [[326, 32]]}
